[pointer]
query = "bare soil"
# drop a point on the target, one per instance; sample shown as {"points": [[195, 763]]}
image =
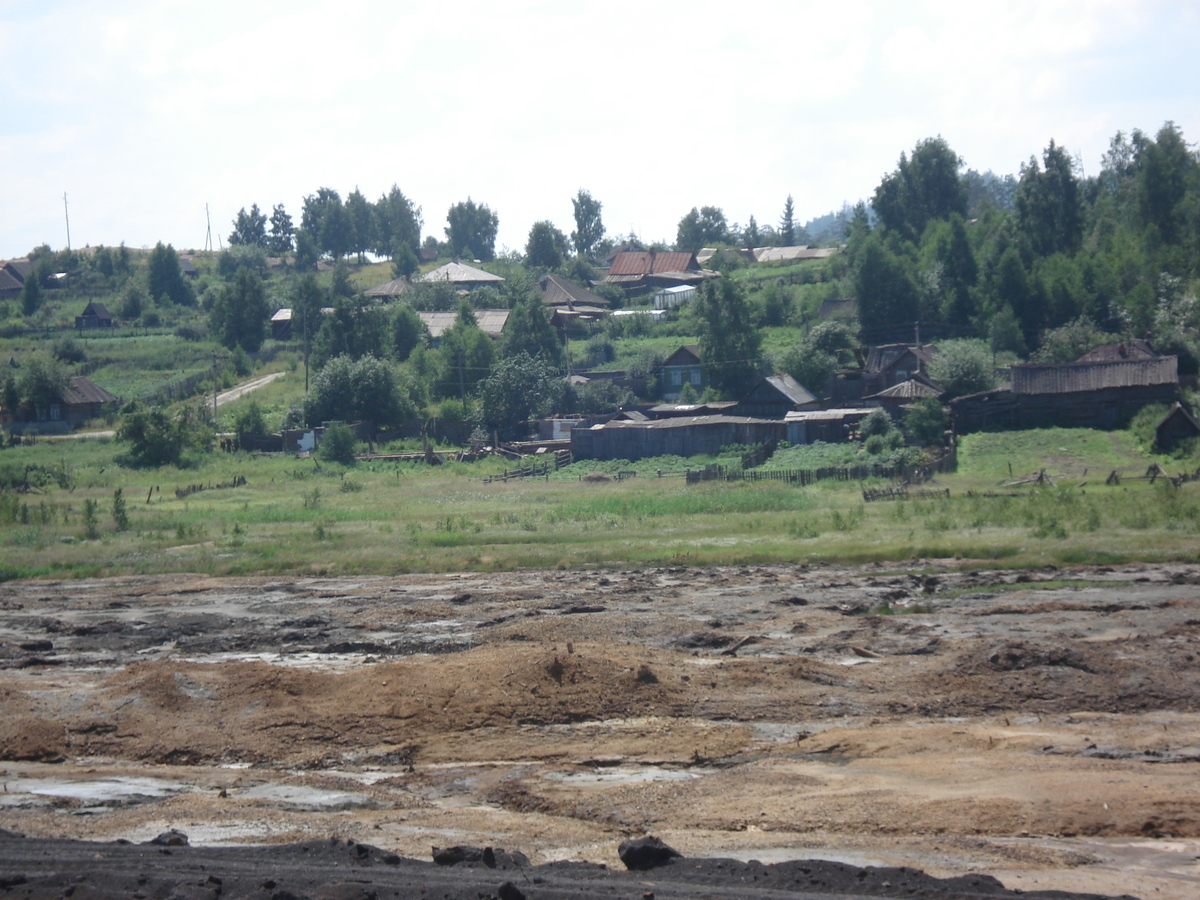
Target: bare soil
{"points": [[1039, 726]]}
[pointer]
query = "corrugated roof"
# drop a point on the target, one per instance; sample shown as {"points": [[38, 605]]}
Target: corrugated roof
{"points": [[674, 261], [393, 288], [282, 315], [457, 273], [631, 262], [908, 390], [788, 254], [79, 390], [683, 422], [1072, 378], [790, 388], [825, 415], [491, 321]]}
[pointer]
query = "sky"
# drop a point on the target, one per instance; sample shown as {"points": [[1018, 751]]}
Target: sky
{"points": [[143, 113]]}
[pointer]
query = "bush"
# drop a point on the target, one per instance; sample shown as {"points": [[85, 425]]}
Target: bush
{"points": [[877, 422], [338, 444], [67, 350], [927, 421]]}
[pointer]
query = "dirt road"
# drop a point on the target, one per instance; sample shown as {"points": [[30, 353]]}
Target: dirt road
{"points": [[1043, 727]]}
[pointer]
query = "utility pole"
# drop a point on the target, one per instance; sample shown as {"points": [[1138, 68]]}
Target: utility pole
{"points": [[208, 236], [67, 215], [214, 354]]}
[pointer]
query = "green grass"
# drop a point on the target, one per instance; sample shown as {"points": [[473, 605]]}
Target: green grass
{"points": [[396, 517]]}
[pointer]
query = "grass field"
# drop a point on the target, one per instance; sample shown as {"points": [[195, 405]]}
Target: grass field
{"points": [[302, 517]]}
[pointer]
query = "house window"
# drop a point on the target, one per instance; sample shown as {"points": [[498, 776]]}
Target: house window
{"points": [[696, 377], [55, 412], [676, 378]]}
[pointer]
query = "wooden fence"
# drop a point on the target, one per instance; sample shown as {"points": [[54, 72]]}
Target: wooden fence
{"points": [[533, 470], [800, 477]]}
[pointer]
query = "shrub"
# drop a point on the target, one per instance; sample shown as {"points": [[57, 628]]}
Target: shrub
{"points": [[877, 422], [338, 444]]}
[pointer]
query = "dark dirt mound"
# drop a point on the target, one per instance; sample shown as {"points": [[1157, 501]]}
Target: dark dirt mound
{"points": [[43, 869]]}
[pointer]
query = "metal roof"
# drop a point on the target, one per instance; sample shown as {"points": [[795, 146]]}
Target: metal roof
{"points": [[912, 389], [790, 388], [684, 422], [787, 254], [674, 261], [1075, 377], [631, 262], [457, 273], [282, 315], [825, 415], [393, 288], [491, 321]]}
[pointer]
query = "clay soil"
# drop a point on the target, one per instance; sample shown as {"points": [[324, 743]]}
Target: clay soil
{"points": [[1039, 726]]}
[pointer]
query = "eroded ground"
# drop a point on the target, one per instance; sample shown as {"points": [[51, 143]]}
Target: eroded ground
{"points": [[1043, 727]]}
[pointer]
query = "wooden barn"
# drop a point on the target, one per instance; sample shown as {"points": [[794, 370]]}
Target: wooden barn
{"points": [[676, 437], [1073, 395]]}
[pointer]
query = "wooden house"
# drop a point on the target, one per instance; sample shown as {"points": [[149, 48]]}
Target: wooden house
{"points": [[680, 436], [79, 401], [682, 367], [490, 321], [831, 426], [899, 397], [774, 397], [1176, 426], [636, 270], [889, 364], [1072, 395], [94, 315]]}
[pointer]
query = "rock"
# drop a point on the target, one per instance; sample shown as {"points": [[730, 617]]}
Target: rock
{"points": [[493, 859], [172, 838], [646, 853], [509, 891]]}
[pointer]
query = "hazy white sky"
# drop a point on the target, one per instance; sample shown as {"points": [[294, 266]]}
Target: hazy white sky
{"points": [[142, 112]]}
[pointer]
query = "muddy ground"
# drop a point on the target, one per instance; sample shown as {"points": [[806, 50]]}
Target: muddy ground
{"points": [[1042, 727]]}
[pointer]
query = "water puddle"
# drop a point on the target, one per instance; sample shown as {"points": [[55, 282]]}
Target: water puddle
{"points": [[616, 775]]}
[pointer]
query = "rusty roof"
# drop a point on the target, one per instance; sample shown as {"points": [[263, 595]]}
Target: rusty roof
{"points": [[632, 262], [1070, 378], [674, 261]]}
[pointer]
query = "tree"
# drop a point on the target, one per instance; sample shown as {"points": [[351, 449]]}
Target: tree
{"points": [[307, 251], [1167, 171], [120, 511], [41, 383], [397, 223], [589, 229], [158, 438], [31, 295], [751, 236], [518, 389], [1049, 210], [249, 228], [404, 262], [355, 329], [349, 390], [324, 217], [787, 224], [361, 221], [1069, 342], [963, 367], [814, 359], [528, 330], [729, 341], [338, 444], [701, 228], [926, 421], [165, 279], [249, 420], [471, 230], [466, 355], [546, 247], [408, 331], [238, 316], [922, 188], [886, 293], [280, 239]]}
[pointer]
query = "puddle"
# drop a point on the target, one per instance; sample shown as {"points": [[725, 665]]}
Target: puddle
{"points": [[305, 799], [625, 775], [102, 792]]}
